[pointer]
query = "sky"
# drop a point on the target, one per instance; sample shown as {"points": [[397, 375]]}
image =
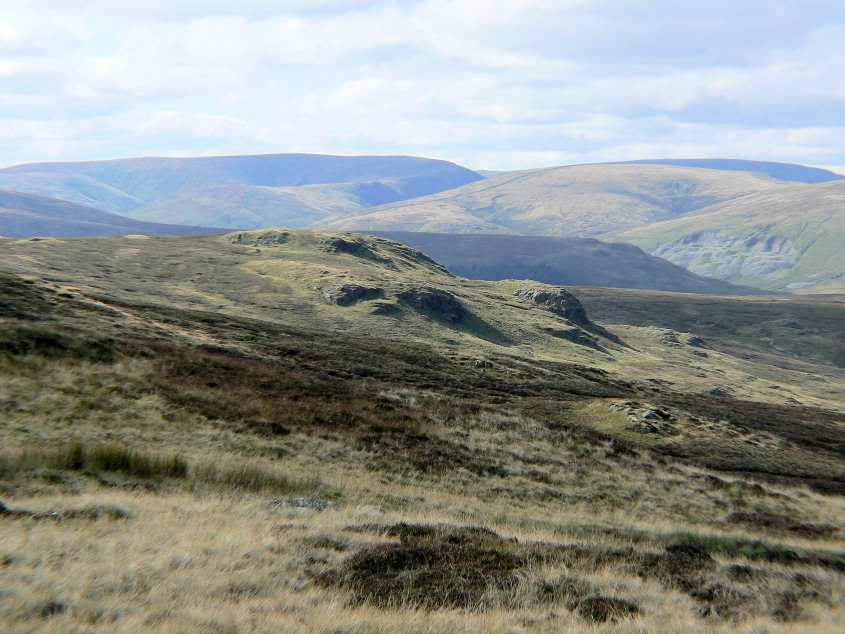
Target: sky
{"points": [[488, 84]]}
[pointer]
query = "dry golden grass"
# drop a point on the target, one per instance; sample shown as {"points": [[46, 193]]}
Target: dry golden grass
{"points": [[144, 437], [200, 555]]}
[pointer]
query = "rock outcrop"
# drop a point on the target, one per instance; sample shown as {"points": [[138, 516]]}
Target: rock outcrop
{"points": [[434, 300], [269, 238], [557, 300], [348, 294]]}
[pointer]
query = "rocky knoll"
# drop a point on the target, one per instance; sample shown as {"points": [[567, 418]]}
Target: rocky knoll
{"points": [[435, 300], [348, 294], [557, 300]]}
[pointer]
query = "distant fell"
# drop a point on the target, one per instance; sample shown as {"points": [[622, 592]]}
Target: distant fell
{"points": [[577, 200], [560, 261], [27, 215], [780, 171], [163, 188], [789, 239]]}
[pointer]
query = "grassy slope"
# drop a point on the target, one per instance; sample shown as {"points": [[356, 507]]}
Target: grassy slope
{"points": [[579, 200], [780, 171], [805, 224], [230, 364], [781, 330], [254, 207]]}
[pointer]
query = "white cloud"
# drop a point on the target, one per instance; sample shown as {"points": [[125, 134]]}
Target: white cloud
{"points": [[487, 83]]}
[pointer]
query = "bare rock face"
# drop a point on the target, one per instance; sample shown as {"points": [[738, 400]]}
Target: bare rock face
{"points": [[352, 245], [435, 300], [558, 301], [349, 294], [575, 335], [271, 238], [723, 254]]}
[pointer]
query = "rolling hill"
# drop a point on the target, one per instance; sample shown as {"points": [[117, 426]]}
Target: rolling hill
{"points": [[27, 215], [781, 171], [789, 239], [580, 200], [291, 430], [561, 261], [187, 190]]}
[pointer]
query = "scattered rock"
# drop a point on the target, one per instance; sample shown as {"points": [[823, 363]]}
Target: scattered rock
{"points": [[435, 300], [648, 428], [695, 341], [271, 238], [304, 503], [481, 364], [721, 392], [670, 339], [558, 301]]}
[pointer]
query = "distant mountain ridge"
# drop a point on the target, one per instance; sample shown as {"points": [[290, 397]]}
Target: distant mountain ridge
{"points": [[28, 215], [577, 200], [154, 189], [781, 171]]}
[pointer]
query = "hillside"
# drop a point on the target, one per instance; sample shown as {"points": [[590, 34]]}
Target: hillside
{"points": [[185, 190], [579, 200], [786, 240], [254, 207], [27, 215], [307, 431], [780, 171], [372, 286], [560, 261]]}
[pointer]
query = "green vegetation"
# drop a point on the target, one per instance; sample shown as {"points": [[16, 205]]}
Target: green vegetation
{"points": [[575, 200], [197, 435], [790, 239]]}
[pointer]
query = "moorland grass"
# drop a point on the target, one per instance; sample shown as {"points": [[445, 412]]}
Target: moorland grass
{"points": [[509, 475]]}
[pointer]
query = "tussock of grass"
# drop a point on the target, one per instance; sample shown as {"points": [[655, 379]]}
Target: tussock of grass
{"points": [[95, 460], [758, 550], [255, 477], [431, 567], [22, 340], [114, 458]]}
